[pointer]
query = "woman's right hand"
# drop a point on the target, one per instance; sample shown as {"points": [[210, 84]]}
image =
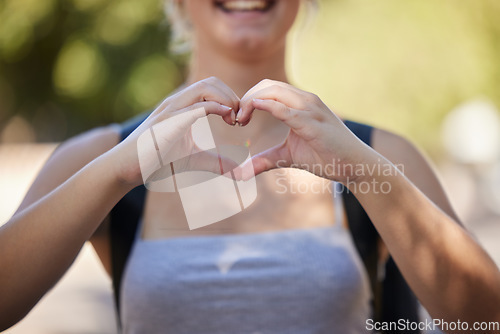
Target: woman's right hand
{"points": [[169, 126], [69, 201]]}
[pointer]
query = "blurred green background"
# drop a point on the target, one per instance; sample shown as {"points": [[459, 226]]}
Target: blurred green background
{"points": [[69, 65]]}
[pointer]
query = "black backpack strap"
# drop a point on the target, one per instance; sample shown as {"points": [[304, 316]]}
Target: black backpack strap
{"points": [[393, 298], [399, 301], [124, 219], [364, 234]]}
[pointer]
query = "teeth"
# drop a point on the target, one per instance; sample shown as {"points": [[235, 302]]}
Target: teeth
{"points": [[241, 5]]}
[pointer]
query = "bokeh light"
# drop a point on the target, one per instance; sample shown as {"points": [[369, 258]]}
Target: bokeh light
{"points": [[150, 81], [80, 70], [74, 61], [400, 65], [18, 19], [471, 133], [17, 37]]}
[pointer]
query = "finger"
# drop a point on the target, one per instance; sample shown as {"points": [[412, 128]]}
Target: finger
{"points": [[168, 131], [247, 121], [218, 91], [273, 90], [230, 118], [211, 89], [275, 157], [295, 119], [267, 83], [276, 93], [200, 109]]}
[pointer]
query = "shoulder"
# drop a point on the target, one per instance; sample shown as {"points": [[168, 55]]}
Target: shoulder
{"points": [[397, 148], [401, 152]]}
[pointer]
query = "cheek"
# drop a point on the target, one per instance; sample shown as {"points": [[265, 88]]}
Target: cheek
{"points": [[292, 9], [198, 12], [288, 14]]}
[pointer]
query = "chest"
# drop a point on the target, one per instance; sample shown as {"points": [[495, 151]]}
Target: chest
{"points": [[299, 281], [286, 199]]}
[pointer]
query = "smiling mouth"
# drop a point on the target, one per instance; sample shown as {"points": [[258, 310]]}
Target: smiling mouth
{"points": [[230, 6]]}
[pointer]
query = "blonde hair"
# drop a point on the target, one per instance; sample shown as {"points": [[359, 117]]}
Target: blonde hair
{"points": [[181, 30]]}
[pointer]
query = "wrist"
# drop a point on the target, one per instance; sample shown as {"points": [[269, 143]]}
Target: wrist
{"points": [[372, 174], [119, 172]]}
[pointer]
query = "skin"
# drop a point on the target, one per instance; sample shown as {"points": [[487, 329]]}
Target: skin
{"points": [[87, 176]]}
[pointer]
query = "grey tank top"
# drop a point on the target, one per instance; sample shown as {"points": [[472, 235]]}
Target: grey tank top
{"points": [[300, 281]]}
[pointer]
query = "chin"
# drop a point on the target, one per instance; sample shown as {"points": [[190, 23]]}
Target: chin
{"points": [[249, 41], [254, 25], [250, 47], [243, 25]]}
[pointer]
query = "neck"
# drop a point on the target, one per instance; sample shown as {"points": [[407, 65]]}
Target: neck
{"points": [[241, 75]]}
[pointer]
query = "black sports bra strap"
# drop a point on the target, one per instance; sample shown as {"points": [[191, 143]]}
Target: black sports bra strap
{"points": [[130, 125]]}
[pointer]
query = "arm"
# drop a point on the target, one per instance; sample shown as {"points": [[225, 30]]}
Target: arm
{"points": [[446, 268], [433, 250], [416, 168], [68, 159], [39, 243]]}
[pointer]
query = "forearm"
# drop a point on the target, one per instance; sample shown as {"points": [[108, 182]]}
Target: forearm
{"points": [[450, 273], [39, 243]]}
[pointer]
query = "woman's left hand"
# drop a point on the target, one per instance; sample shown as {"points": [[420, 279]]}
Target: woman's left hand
{"points": [[410, 224], [318, 140]]}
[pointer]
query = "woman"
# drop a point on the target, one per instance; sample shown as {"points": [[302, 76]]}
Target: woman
{"points": [[285, 264]]}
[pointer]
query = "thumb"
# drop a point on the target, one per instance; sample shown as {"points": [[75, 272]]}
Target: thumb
{"points": [[276, 157]]}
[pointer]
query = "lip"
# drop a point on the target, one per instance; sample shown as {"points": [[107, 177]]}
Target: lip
{"points": [[244, 8]]}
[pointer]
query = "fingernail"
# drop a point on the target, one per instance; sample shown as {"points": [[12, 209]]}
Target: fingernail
{"points": [[233, 117], [238, 115], [226, 107], [257, 100]]}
